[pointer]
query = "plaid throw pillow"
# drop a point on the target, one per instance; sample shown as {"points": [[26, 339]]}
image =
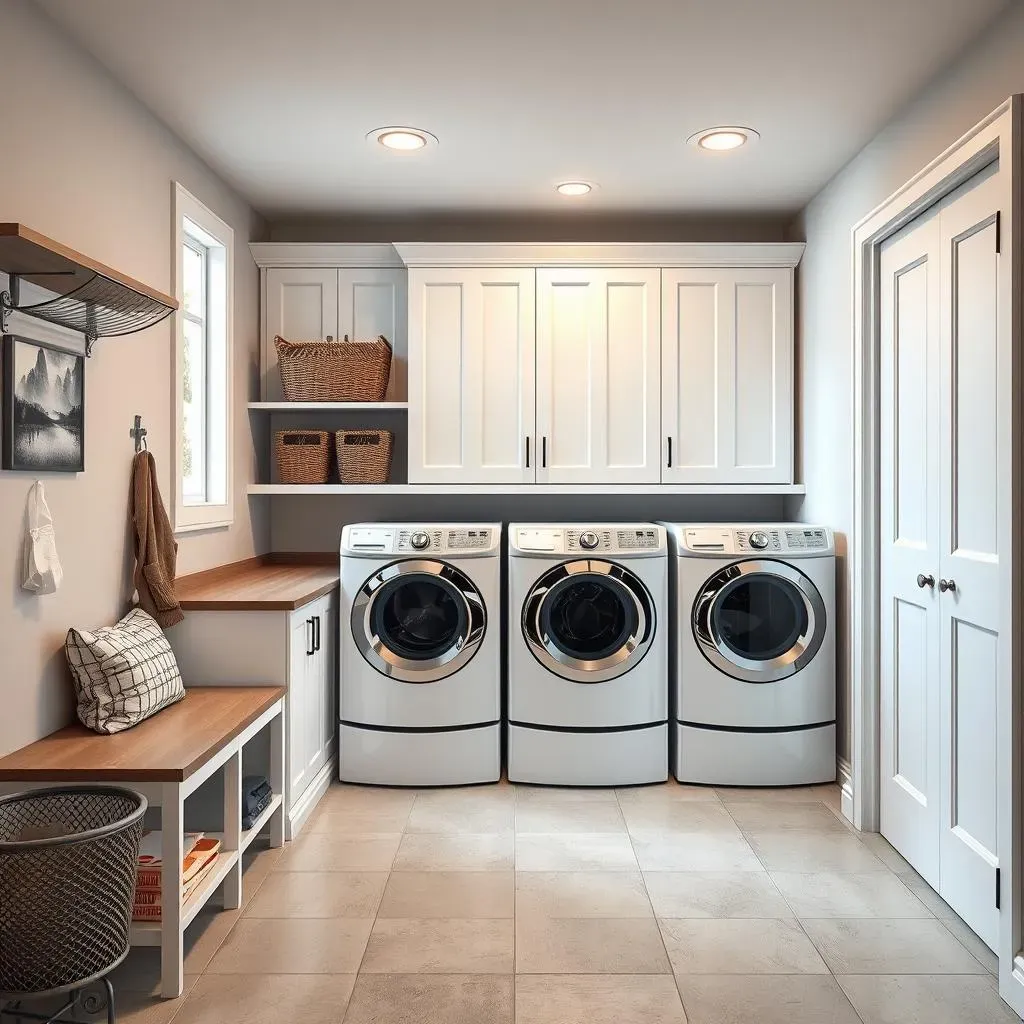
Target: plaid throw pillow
{"points": [[123, 673]]}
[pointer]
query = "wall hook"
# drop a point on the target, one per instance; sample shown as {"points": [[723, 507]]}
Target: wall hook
{"points": [[138, 432]]}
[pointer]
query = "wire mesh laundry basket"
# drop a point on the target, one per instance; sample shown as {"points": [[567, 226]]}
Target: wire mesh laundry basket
{"points": [[68, 863]]}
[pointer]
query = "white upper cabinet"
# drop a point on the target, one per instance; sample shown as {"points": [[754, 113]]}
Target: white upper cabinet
{"points": [[300, 304], [471, 375], [727, 375], [371, 302], [598, 336]]}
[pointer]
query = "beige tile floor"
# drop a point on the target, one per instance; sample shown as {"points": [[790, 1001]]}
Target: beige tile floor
{"points": [[502, 904]]}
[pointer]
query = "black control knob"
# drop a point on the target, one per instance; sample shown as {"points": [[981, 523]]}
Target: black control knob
{"points": [[759, 539], [588, 539], [419, 541]]}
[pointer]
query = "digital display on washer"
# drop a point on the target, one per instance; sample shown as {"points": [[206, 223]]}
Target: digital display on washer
{"points": [[636, 540], [469, 540], [805, 540]]}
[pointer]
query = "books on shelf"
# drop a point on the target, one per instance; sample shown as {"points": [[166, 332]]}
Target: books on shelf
{"points": [[200, 857]]}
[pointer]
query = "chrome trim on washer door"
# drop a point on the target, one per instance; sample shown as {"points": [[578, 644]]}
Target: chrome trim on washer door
{"points": [[753, 670], [632, 646], [412, 670]]}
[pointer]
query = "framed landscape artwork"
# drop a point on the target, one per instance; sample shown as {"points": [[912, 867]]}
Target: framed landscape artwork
{"points": [[43, 407]]}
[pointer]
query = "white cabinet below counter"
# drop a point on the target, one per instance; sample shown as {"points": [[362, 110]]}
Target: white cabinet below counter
{"points": [[295, 648]]}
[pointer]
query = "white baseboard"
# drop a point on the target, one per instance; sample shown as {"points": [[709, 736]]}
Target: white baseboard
{"points": [[311, 796], [844, 776]]}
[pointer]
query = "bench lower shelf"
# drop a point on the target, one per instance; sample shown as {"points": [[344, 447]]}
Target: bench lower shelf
{"points": [[147, 933]]}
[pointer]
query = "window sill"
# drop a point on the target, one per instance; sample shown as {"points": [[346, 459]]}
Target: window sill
{"points": [[212, 524]]}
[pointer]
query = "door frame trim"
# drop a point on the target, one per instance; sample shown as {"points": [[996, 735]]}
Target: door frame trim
{"points": [[997, 137]]}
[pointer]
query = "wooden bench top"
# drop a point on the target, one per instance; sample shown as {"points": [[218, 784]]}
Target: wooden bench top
{"points": [[168, 747], [256, 585]]}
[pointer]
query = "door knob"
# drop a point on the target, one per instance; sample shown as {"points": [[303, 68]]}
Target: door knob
{"points": [[945, 585], [925, 581]]}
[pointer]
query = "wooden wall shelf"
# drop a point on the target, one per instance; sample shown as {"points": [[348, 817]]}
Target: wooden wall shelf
{"points": [[88, 296]]}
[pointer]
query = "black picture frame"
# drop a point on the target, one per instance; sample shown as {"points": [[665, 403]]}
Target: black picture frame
{"points": [[43, 427]]}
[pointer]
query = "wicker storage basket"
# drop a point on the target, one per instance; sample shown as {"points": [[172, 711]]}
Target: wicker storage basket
{"points": [[364, 456], [68, 862], [303, 456], [334, 371]]}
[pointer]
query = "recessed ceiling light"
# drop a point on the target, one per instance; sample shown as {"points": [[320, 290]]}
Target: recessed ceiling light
{"points": [[402, 138], [574, 188], [723, 137]]}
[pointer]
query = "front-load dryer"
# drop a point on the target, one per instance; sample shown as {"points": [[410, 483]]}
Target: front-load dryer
{"points": [[587, 654], [753, 654], [420, 654]]}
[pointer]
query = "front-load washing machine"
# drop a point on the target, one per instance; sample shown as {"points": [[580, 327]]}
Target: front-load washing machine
{"points": [[753, 654], [587, 654], [420, 654]]}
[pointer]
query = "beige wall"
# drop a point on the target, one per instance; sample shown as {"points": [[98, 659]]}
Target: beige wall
{"points": [[976, 84], [87, 164]]}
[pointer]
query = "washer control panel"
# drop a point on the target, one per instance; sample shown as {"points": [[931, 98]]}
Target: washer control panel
{"points": [[604, 539], [770, 539], [421, 539]]}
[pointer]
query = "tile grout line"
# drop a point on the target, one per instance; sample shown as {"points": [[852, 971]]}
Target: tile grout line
{"points": [[376, 912], [650, 902], [799, 922]]}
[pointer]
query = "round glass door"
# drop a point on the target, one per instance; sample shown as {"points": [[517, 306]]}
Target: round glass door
{"points": [[759, 621], [419, 617], [588, 621], [418, 620]]}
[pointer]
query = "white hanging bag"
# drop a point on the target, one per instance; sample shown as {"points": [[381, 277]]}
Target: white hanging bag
{"points": [[43, 572]]}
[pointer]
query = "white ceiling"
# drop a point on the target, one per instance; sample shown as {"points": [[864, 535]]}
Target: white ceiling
{"points": [[277, 95]]}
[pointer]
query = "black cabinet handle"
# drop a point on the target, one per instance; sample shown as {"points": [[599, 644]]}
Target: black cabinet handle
{"points": [[316, 633], [527, 452], [310, 637], [544, 452], [669, 453]]}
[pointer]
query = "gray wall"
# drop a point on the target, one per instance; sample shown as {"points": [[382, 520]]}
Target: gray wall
{"points": [[991, 70], [314, 523], [85, 163]]}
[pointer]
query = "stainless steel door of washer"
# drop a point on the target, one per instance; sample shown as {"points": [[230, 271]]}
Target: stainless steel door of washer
{"points": [[418, 620], [588, 621], [759, 621]]}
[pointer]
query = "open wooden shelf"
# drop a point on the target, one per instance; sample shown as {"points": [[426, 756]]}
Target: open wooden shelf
{"points": [[89, 297], [538, 489]]}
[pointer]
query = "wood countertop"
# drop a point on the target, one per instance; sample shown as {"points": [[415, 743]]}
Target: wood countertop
{"points": [[258, 584], [168, 747]]}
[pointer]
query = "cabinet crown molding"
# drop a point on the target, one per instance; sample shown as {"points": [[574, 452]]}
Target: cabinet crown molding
{"points": [[325, 254], [600, 254], [527, 254]]}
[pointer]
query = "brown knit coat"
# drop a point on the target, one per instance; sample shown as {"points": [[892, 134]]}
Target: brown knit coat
{"points": [[155, 547]]}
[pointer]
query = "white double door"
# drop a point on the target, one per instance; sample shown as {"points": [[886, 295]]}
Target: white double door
{"points": [[945, 465], [523, 375]]}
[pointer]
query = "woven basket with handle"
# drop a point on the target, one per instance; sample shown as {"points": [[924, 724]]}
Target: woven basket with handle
{"points": [[303, 456], [364, 456], [334, 371]]}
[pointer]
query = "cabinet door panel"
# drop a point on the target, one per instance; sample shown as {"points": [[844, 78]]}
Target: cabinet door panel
{"points": [[598, 370], [471, 375], [690, 383], [373, 302], [727, 375], [298, 704], [909, 691], [300, 305], [757, 368], [976, 444]]}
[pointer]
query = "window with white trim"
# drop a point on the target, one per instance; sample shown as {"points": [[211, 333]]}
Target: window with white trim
{"points": [[203, 260]]}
